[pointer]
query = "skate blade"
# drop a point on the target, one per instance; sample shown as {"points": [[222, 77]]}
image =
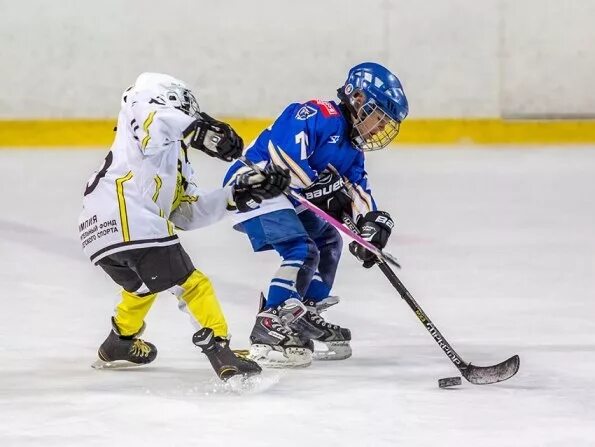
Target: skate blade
{"points": [[116, 364], [336, 350], [268, 357]]}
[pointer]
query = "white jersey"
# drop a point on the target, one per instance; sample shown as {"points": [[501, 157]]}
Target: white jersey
{"points": [[144, 189]]}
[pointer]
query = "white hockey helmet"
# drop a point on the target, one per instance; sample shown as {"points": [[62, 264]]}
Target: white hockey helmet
{"points": [[168, 90]]}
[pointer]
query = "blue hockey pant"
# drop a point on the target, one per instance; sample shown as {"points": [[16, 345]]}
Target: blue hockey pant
{"points": [[310, 249]]}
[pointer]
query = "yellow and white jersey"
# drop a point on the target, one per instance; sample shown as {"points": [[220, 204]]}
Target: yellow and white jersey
{"points": [[144, 189]]}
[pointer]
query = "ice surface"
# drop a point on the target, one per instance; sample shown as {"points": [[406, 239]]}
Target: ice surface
{"points": [[497, 245]]}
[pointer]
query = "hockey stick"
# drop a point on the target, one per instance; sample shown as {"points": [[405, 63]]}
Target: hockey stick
{"points": [[331, 220], [478, 375]]}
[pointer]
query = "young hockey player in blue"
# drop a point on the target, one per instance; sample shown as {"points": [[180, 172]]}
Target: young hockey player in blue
{"points": [[322, 143]]}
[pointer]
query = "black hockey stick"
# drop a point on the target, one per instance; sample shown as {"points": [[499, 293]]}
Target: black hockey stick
{"points": [[478, 375]]}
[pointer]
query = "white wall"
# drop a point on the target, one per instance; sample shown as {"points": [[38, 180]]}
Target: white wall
{"points": [[548, 62], [72, 58]]}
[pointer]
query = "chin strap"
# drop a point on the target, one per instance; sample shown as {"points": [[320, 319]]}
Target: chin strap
{"points": [[345, 102], [348, 112]]}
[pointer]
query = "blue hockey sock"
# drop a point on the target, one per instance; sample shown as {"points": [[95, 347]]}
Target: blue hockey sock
{"points": [[300, 258], [318, 289]]}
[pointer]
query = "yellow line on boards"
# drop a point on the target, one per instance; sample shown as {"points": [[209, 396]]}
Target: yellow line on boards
{"points": [[76, 133], [497, 131]]}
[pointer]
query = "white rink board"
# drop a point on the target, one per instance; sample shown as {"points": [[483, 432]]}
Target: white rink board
{"points": [[497, 245], [456, 58]]}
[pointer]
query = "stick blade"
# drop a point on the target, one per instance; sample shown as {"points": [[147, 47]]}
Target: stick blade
{"points": [[483, 375]]}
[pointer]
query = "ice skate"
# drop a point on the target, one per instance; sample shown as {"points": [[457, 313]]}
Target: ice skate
{"points": [[312, 326], [118, 351], [274, 344], [224, 361]]}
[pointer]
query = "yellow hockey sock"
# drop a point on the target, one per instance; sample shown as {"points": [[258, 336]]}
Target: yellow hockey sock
{"points": [[198, 296], [131, 311]]}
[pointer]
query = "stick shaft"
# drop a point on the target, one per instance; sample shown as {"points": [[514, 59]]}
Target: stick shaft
{"points": [[421, 315]]}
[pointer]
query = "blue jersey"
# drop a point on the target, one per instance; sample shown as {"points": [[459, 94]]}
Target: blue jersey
{"points": [[308, 138]]}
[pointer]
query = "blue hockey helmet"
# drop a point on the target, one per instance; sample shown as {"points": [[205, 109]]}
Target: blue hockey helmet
{"points": [[377, 104]]}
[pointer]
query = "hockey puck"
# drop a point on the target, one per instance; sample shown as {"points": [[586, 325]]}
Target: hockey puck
{"points": [[449, 381]]}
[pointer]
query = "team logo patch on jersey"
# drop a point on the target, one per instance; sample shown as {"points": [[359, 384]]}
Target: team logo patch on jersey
{"points": [[327, 108], [334, 139], [306, 112]]}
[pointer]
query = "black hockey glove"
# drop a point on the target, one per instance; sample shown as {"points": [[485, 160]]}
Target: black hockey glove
{"points": [[330, 195], [215, 138], [375, 227], [252, 187]]}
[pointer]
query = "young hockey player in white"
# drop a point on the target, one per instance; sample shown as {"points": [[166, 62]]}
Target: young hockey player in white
{"points": [[141, 194], [322, 143]]}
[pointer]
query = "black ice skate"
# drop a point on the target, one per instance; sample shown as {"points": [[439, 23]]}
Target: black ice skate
{"points": [[118, 351], [223, 360], [313, 327], [274, 344]]}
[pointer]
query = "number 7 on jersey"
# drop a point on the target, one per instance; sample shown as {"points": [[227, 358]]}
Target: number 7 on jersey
{"points": [[302, 139]]}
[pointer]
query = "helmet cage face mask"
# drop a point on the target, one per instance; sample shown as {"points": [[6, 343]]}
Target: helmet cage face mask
{"points": [[373, 128], [376, 103], [182, 99]]}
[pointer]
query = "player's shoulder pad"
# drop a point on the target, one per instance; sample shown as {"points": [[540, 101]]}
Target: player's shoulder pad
{"points": [[311, 111], [329, 121], [319, 114], [316, 108], [328, 109], [322, 119]]}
